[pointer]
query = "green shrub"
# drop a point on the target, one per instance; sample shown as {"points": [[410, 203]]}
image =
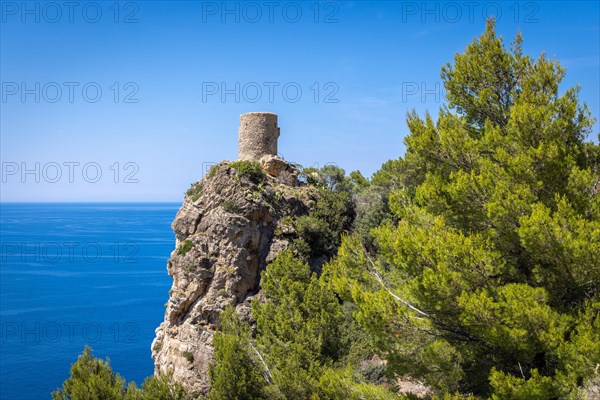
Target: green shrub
{"points": [[319, 232], [297, 326], [157, 388], [313, 232], [287, 220], [301, 249], [332, 216], [213, 170], [330, 177], [229, 206], [194, 191], [250, 169], [255, 196], [188, 356], [185, 247]]}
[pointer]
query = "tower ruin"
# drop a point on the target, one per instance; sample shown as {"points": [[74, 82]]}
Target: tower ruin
{"points": [[257, 136]]}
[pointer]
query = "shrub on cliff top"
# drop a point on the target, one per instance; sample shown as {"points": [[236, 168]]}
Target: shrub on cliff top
{"points": [[213, 170], [250, 169]]}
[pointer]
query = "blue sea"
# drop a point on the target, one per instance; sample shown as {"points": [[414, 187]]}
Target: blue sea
{"points": [[74, 274]]}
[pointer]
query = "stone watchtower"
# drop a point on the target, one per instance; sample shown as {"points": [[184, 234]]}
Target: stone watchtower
{"points": [[257, 136]]}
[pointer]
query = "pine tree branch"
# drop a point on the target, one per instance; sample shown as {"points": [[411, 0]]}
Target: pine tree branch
{"points": [[268, 377], [374, 273], [464, 335]]}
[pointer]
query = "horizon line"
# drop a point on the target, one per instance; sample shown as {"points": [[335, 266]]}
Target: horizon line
{"points": [[89, 202]]}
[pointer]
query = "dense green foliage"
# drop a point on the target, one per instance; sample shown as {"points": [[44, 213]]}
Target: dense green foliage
{"points": [[319, 232], [234, 374], [302, 344], [372, 201], [296, 326], [250, 169], [93, 379], [489, 283]]}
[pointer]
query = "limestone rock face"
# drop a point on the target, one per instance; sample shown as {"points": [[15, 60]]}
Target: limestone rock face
{"points": [[282, 171], [226, 234]]}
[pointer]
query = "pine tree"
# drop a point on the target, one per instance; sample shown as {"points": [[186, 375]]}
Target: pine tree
{"points": [[490, 282], [234, 374], [296, 326], [93, 379]]}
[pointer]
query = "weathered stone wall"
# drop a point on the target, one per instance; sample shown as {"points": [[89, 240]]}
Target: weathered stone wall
{"points": [[257, 136]]}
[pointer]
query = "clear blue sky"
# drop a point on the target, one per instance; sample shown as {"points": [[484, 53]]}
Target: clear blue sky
{"points": [[375, 58]]}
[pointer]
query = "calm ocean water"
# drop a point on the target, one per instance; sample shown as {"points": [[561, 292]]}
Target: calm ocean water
{"points": [[74, 274]]}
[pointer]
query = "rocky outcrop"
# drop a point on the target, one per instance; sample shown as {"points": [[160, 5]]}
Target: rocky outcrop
{"points": [[280, 170], [227, 230]]}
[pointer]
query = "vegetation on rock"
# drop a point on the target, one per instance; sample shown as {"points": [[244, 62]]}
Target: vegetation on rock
{"points": [[302, 347], [250, 169], [185, 247], [194, 191]]}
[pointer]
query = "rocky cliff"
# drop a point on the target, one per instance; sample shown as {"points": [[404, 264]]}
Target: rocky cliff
{"points": [[231, 225]]}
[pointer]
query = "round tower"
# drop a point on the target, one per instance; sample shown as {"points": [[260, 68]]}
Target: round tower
{"points": [[257, 136]]}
